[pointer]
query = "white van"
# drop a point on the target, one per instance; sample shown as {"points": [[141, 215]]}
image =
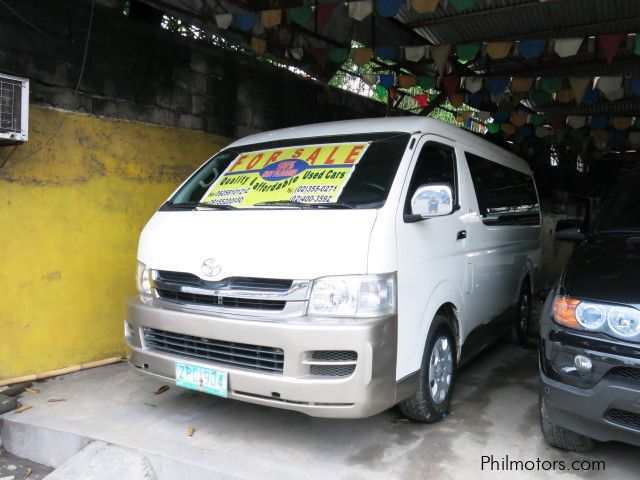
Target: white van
{"points": [[338, 269]]}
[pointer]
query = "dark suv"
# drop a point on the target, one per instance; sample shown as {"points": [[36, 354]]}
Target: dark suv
{"points": [[590, 331]]}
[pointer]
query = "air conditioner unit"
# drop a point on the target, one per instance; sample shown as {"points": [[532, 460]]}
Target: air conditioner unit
{"points": [[14, 109]]}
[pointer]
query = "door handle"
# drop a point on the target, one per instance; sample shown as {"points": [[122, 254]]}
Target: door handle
{"points": [[462, 234]]}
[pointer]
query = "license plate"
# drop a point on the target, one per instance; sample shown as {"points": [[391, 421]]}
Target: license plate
{"points": [[203, 379]]}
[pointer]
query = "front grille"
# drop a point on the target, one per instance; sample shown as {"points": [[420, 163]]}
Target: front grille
{"points": [[234, 283], [220, 301], [624, 418], [335, 355], [625, 373], [253, 357], [332, 370]]}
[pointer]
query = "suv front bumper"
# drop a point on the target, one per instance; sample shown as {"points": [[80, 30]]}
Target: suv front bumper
{"points": [[370, 389]]}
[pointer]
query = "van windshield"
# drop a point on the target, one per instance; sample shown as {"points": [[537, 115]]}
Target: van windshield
{"points": [[346, 171]]}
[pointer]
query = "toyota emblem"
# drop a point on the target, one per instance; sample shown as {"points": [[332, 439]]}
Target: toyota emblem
{"points": [[210, 267]]}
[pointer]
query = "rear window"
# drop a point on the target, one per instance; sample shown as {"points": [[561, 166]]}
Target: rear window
{"points": [[355, 171], [505, 196]]}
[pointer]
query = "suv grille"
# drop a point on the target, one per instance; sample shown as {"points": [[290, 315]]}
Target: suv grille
{"points": [[219, 301], [254, 357], [624, 418], [625, 373]]}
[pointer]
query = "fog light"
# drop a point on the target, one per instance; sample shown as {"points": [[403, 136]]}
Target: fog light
{"points": [[583, 364], [128, 330]]}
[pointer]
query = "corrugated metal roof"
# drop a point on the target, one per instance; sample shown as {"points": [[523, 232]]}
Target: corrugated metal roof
{"points": [[522, 18]]}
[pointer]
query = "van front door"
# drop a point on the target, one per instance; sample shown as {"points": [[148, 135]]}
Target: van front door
{"points": [[431, 253]]}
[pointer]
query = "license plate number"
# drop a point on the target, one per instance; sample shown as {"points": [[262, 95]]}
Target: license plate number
{"points": [[203, 379]]}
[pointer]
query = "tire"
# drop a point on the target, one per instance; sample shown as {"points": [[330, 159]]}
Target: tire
{"points": [[560, 437], [421, 406], [520, 330]]}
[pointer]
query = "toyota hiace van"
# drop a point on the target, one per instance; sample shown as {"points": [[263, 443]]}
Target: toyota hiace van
{"points": [[338, 269]]}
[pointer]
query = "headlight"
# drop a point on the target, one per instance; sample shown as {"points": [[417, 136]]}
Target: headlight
{"points": [[354, 296], [143, 281], [596, 317]]}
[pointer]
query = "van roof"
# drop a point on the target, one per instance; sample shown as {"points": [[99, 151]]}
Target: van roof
{"points": [[409, 124]]}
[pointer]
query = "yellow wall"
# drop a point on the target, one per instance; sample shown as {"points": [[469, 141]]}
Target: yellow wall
{"points": [[70, 217]]}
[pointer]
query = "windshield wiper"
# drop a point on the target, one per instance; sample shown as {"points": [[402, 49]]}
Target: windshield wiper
{"points": [[290, 203], [201, 205]]}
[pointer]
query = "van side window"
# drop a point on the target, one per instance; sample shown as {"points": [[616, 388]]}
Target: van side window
{"points": [[505, 196], [436, 164]]}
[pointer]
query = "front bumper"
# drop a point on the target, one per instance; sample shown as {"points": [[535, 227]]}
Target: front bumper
{"points": [[370, 389], [600, 404], [587, 411]]}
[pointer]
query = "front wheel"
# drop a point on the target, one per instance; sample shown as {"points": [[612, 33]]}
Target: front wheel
{"points": [[560, 437], [432, 398]]}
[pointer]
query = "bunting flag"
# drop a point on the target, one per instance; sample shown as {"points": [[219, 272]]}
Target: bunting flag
{"points": [[271, 18], [579, 85], [415, 54], [427, 82], [338, 55], [424, 6], [456, 100], [386, 80], [244, 21], [361, 56], [473, 84], [388, 53], [258, 45], [300, 15], [508, 128], [550, 84], [614, 95], [635, 85], [497, 85], [636, 45], [462, 5], [297, 53], [521, 84], [564, 96], [567, 47], [370, 79], [621, 123], [531, 49], [498, 50], [575, 121], [323, 14], [360, 9], [450, 84], [599, 122], [422, 99], [388, 8], [519, 119], [407, 81], [557, 122], [224, 20], [609, 44], [634, 139], [609, 84], [440, 54], [467, 51]]}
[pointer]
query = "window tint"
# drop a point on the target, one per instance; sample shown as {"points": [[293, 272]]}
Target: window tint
{"points": [[620, 213], [505, 196], [436, 164]]}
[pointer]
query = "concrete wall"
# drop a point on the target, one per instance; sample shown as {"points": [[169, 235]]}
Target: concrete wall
{"points": [[71, 215], [71, 212], [141, 72]]}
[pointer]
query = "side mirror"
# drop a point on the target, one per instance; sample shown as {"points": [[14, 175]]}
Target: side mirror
{"points": [[569, 231], [434, 200]]}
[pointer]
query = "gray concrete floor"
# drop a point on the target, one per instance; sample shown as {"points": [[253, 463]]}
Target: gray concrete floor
{"points": [[17, 468], [494, 412]]}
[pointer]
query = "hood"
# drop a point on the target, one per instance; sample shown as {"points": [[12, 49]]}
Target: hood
{"points": [[605, 268], [265, 243]]}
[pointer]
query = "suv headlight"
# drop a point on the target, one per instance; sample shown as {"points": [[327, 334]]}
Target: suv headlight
{"points": [[597, 317], [143, 281], [360, 296]]}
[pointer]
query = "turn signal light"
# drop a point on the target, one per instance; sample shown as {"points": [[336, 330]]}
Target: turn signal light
{"points": [[564, 311]]}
